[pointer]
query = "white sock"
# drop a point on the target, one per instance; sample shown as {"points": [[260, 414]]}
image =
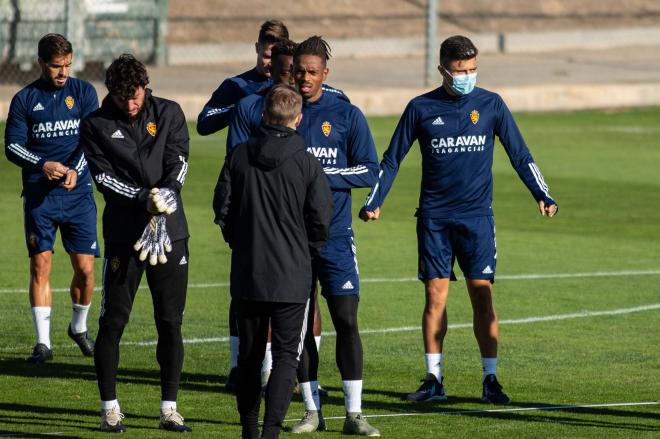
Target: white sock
{"points": [[266, 365], [310, 394], [233, 351], [353, 396], [41, 318], [166, 406], [107, 405], [317, 339], [489, 366], [79, 318], [434, 365]]}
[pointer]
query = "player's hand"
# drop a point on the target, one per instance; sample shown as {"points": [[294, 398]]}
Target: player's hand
{"points": [[148, 244], [54, 170], [166, 201], [162, 200], [549, 210], [368, 215], [154, 242], [145, 243], [151, 204], [70, 179]]}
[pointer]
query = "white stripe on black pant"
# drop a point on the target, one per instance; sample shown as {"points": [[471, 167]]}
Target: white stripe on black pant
{"points": [[289, 323]]}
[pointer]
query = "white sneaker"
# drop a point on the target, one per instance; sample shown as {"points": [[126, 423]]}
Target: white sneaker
{"points": [[173, 421], [312, 421], [111, 420], [356, 423]]}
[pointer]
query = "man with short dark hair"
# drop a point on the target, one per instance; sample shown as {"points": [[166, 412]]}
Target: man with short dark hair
{"points": [[456, 125], [264, 230], [42, 138], [246, 120], [338, 135], [137, 148], [216, 114]]}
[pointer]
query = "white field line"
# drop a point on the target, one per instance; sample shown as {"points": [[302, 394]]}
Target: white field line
{"points": [[527, 320], [502, 410], [523, 276]]}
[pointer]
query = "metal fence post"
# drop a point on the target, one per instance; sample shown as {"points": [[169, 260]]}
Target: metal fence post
{"points": [[75, 31], [431, 41], [161, 34]]}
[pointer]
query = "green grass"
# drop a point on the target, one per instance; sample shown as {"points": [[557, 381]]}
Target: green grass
{"points": [[602, 169]]}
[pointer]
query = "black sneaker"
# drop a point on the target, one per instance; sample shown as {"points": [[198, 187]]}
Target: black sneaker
{"points": [[230, 385], [492, 391], [323, 393], [40, 353], [430, 390], [84, 342]]}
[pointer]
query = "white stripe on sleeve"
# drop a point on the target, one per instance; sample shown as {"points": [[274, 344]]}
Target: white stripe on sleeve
{"points": [[370, 197], [23, 153], [539, 179], [181, 178]]}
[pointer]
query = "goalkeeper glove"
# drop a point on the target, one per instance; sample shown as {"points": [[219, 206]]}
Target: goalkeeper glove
{"points": [[154, 241], [163, 200]]}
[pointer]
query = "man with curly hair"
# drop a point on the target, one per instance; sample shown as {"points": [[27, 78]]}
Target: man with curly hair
{"points": [[137, 148]]}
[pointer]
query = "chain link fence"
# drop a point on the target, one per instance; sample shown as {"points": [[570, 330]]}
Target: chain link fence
{"points": [[99, 30]]}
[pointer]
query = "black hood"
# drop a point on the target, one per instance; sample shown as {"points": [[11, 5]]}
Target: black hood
{"points": [[272, 145]]}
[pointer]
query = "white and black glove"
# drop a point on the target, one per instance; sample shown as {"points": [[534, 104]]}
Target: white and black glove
{"points": [[163, 200], [154, 241]]}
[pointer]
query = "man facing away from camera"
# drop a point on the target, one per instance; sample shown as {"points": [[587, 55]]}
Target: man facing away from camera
{"points": [[274, 206]]}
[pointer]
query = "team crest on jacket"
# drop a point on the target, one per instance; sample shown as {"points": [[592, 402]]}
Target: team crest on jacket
{"points": [[474, 116], [114, 264], [326, 127], [151, 128], [69, 102]]}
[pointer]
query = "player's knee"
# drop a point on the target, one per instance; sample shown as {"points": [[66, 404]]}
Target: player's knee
{"points": [[114, 326], [482, 305], [84, 275], [168, 328], [346, 325]]}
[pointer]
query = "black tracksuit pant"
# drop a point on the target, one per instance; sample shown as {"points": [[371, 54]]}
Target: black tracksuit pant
{"points": [[122, 272], [289, 323]]}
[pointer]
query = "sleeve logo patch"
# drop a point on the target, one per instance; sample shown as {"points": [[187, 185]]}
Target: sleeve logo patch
{"points": [[474, 116], [151, 128], [69, 102], [326, 128]]}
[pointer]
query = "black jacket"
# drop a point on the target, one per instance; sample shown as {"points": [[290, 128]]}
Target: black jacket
{"points": [[127, 159], [274, 206]]}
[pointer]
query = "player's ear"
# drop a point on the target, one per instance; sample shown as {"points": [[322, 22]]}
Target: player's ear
{"points": [[325, 73], [298, 119], [256, 47]]}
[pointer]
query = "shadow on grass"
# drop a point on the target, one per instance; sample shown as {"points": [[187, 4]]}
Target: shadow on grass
{"points": [[58, 418], [546, 413], [198, 382], [7, 433]]}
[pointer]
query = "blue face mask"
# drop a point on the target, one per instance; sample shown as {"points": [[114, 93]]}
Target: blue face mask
{"points": [[463, 84]]}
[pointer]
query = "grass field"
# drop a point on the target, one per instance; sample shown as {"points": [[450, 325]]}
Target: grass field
{"points": [[578, 297]]}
